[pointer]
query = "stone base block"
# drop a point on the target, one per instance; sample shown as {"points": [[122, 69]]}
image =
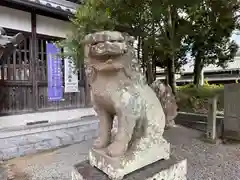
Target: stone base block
{"points": [[136, 158], [171, 169], [206, 139], [232, 135]]}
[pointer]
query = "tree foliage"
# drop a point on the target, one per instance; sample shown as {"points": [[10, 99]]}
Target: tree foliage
{"points": [[213, 22], [157, 24], [166, 31], [90, 17]]}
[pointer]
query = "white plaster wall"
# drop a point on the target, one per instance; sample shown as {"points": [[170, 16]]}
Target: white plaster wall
{"points": [[15, 19], [20, 20], [52, 27]]}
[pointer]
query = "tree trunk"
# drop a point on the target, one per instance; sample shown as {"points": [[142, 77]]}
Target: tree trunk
{"points": [[147, 63], [170, 63], [166, 76], [153, 63], [149, 68], [154, 70], [198, 66], [139, 49], [143, 55], [149, 72], [171, 74]]}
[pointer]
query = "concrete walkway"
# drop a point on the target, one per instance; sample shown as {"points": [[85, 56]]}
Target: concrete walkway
{"points": [[205, 161], [51, 165], [51, 117]]}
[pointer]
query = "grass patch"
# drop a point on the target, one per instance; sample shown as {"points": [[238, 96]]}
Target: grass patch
{"points": [[195, 99]]}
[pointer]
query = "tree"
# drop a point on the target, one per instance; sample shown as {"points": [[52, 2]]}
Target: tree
{"points": [[173, 27], [160, 28], [89, 18], [213, 22], [157, 24]]}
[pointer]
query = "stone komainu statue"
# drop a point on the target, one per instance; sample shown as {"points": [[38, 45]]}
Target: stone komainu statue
{"points": [[119, 89]]}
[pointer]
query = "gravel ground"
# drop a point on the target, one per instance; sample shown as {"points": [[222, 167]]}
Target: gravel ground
{"points": [[205, 161]]}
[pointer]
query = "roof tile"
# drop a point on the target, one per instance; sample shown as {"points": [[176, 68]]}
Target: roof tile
{"points": [[58, 4]]}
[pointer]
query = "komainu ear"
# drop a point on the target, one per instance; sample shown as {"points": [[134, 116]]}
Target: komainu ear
{"points": [[128, 38]]}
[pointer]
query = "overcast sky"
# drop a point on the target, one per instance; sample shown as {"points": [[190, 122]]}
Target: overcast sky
{"points": [[236, 38]]}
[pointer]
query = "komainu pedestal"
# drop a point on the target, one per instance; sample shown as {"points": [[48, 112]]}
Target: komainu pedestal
{"points": [[171, 169], [119, 90], [134, 159]]}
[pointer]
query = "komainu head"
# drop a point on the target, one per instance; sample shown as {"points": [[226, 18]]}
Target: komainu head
{"points": [[106, 44]]}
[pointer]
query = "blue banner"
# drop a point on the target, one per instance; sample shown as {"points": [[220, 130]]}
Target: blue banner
{"points": [[55, 82]]}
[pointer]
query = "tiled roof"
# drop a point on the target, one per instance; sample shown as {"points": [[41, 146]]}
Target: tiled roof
{"points": [[63, 5]]}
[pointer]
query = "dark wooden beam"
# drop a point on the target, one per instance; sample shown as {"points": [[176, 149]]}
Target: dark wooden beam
{"points": [[34, 61]]}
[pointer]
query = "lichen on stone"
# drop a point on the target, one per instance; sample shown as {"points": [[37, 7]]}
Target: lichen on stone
{"points": [[119, 89]]}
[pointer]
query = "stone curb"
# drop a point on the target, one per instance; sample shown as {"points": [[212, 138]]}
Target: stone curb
{"points": [[16, 142], [198, 121], [24, 140]]}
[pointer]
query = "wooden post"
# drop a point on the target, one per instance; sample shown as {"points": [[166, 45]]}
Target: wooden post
{"points": [[211, 120], [34, 62]]}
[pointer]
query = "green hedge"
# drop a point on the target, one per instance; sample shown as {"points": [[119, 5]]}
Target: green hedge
{"points": [[195, 99]]}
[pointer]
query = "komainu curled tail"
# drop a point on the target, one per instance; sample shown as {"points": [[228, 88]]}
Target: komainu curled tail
{"points": [[168, 101]]}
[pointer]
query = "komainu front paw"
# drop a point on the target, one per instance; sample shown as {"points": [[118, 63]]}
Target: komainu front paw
{"points": [[101, 143], [117, 148]]}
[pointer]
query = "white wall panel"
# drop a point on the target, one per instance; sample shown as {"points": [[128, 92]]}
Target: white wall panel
{"points": [[52, 27], [15, 19]]}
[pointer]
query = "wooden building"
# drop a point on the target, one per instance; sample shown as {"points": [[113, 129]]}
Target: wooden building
{"points": [[23, 76]]}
